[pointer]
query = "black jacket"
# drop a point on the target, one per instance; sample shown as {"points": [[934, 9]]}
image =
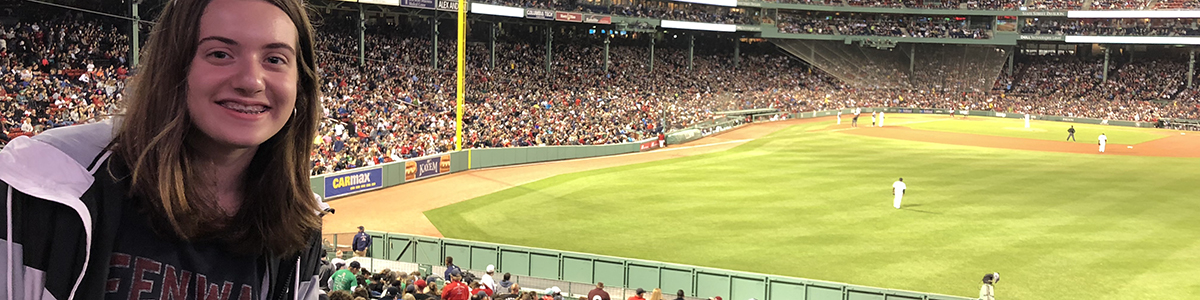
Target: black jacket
{"points": [[64, 217]]}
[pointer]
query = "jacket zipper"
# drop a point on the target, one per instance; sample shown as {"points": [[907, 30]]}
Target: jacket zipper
{"points": [[286, 280]]}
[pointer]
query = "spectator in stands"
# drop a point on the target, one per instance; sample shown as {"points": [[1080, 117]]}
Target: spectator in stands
{"points": [[487, 282], [505, 283], [450, 267], [340, 295], [346, 279], [456, 289], [656, 294], [638, 294], [325, 271], [679, 295], [598, 293], [511, 293]]}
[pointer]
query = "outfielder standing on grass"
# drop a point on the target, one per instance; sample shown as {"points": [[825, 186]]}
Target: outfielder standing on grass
{"points": [[202, 181], [988, 290], [1102, 140], [1071, 133], [898, 188]]}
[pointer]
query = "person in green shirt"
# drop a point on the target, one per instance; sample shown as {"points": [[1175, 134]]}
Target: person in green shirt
{"points": [[346, 279]]}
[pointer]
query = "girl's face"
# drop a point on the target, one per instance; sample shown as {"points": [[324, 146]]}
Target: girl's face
{"points": [[243, 79]]}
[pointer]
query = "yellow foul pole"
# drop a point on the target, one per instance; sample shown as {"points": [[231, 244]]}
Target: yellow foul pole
{"points": [[460, 72]]}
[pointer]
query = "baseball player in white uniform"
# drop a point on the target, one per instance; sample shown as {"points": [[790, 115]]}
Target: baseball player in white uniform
{"points": [[881, 119], [839, 117], [1102, 141], [872, 119], [898, 188]]}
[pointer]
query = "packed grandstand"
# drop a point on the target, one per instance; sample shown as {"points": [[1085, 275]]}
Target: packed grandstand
{"points": [[60, 69]]}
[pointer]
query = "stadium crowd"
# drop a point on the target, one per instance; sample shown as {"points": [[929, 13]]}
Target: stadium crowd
{"points": [[349, 279], [395, 106], [58, 72], [947, 4], [679, 11], [1119, 4], [1116, 27], [879, 25], [1055, 4]]}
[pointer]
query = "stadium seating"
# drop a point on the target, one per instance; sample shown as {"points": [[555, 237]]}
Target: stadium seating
{"points": [[61, 71]]}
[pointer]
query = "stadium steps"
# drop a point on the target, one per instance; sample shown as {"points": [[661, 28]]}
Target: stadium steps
{"points": [[1152, 3], [1087, 4], [1029, 3]]}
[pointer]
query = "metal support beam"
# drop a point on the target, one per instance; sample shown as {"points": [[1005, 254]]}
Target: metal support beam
{"points": [[691, 50], [436, 22], [912, 59], [652, 38], [134, 35], [549, 47], [492, 45], [737, 52], [606, 37], [362, 29], [1105, 76], [1191, 67], [1011, 54]]}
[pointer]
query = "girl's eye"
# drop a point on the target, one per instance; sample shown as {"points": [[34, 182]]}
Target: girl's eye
{"points": [[219, 54]]}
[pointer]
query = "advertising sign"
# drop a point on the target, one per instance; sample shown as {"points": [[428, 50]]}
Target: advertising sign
{"points": [[568, 17], [597, 19], [353, 182], [423, 168], [447, 5], [540, 14]]}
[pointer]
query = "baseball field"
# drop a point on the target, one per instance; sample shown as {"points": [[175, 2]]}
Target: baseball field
{"points": [[813, 200]]}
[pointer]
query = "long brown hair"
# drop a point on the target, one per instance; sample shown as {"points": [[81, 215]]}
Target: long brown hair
{"points": [[278, 212]]}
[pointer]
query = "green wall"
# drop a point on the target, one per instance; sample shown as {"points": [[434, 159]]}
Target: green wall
{"points": [[588, 269], [393, 173]]}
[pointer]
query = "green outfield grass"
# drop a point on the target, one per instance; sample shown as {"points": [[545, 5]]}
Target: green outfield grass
{"points": [[1040, 130], [818, 205]]}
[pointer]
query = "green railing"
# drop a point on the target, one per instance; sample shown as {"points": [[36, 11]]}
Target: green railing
{"points": [[618, 272]]}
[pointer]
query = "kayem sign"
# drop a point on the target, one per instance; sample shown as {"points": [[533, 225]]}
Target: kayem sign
{"points": [[353, 182], [423, 168]]}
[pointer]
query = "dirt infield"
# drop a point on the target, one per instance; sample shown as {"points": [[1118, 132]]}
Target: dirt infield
{"points": [[401, 208], [1171, 146]]}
